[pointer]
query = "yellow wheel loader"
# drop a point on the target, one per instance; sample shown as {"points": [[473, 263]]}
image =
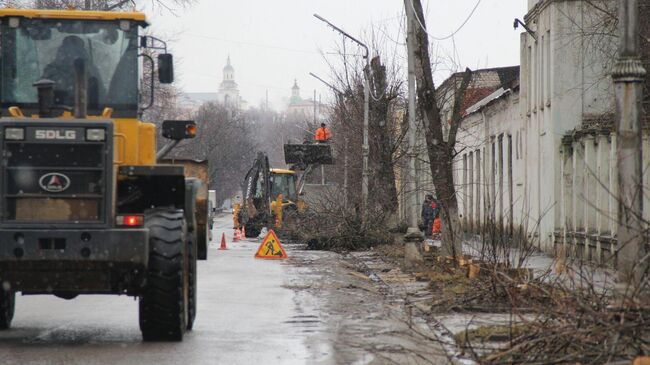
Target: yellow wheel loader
{"points": [[85, 207]]}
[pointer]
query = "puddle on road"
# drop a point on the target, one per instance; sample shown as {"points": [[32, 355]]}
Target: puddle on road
{"points": [[309, 322]]}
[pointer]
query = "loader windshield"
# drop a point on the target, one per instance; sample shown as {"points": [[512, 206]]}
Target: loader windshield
{"points": [[284, 184], [35, 49]]}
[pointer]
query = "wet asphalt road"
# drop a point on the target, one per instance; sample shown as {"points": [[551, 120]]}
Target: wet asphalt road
{"points": [[246, 315]]}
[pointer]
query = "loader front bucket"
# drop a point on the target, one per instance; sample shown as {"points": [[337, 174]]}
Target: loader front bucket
{"points": [[308, 154]]}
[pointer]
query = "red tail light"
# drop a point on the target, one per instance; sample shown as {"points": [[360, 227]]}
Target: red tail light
{"points": [[129, 220]]}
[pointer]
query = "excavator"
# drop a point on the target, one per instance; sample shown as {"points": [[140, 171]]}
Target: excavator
{"points": [[272, 197], [86, 206]]}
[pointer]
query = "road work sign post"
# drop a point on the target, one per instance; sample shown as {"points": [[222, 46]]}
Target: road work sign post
{"points": [[271, 248]]}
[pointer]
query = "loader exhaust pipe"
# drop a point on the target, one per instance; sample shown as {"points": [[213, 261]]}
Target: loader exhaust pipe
{"points": [[45, 89], [81, 89]]}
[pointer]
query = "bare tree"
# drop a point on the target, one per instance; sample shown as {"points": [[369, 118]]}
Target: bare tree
{"points": [[383, 145], [226, 139], [441, 150], [169, 5], [385, 130], [273, 130]]}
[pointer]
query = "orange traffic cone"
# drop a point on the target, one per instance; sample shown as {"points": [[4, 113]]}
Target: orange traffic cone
{"points": [[237, 235], [223, 242], [243, 232]]}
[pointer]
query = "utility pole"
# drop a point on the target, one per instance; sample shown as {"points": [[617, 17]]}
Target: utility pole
{"points": [[322, 167], [629, 76], [413, 234], [366, 116], [314, 106], [345, 171]]}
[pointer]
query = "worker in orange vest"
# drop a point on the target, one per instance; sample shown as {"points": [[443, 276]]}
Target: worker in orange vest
{"points": [[323, 134]]}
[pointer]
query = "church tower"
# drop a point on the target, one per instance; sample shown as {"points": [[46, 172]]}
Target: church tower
{"points": [[228, 71], [228, 94], [295, 93]]}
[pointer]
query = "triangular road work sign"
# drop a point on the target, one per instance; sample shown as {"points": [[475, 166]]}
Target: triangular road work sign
{"points": [[271, 248]]}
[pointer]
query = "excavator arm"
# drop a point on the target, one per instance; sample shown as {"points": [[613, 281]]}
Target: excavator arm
{"points": [[256, 199]]}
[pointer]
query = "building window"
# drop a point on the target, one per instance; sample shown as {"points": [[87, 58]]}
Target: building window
{"points": [[479, 186], [470, 190], [465, 188], [531, 73], [510, 208], [519, 144], [548, 67], [541, 70], [517, 136]]}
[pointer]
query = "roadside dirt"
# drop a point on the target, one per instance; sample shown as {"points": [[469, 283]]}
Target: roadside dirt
{"points": [[370, 308]]}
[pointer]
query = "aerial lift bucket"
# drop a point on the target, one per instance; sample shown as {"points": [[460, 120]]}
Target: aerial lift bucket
{"points": [[308, 154]]}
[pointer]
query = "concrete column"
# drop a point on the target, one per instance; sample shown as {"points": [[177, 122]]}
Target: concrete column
{"points": [[465, 192], [578, 196], [602, 191], [589, 191], [486, 183], [567, 196], [590, 183], [470, 197], [613, 193], [510, 188], [479, 188], [492, 180], [413, 233], [646, 178], [500, 183], [561, 199], [629, 78], [613, 184]]}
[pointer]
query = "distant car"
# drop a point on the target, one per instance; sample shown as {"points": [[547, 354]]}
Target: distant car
{"points": [[212, 197]]}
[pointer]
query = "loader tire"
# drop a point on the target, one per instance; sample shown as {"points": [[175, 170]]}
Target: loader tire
{"points": [[192, 256], [164, 297], [202, 241], [7, 307]]}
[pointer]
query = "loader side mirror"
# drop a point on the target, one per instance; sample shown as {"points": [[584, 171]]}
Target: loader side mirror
{"points": [[179, 129], [165, 68]]}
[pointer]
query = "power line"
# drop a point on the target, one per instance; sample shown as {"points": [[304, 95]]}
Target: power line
{"points": [[252, 44], [262, 86], [478, 2]]}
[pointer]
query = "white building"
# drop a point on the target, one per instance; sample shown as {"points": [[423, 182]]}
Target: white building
{"points": [[228, 94], [307, 109], [540, 158], [484, 83]]}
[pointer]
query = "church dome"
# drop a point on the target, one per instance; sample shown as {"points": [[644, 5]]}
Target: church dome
{"points": [[228, 72], [295, 93]]}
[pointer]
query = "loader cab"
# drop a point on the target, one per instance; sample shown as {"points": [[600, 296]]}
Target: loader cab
{"points": [[44, 47], [283, 182], [36, 47]]}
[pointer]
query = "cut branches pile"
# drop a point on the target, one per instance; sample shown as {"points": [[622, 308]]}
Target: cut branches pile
{"points": [[333, 224]]}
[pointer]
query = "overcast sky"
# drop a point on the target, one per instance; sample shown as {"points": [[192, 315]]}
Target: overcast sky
{"points": [[273, 42]]}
